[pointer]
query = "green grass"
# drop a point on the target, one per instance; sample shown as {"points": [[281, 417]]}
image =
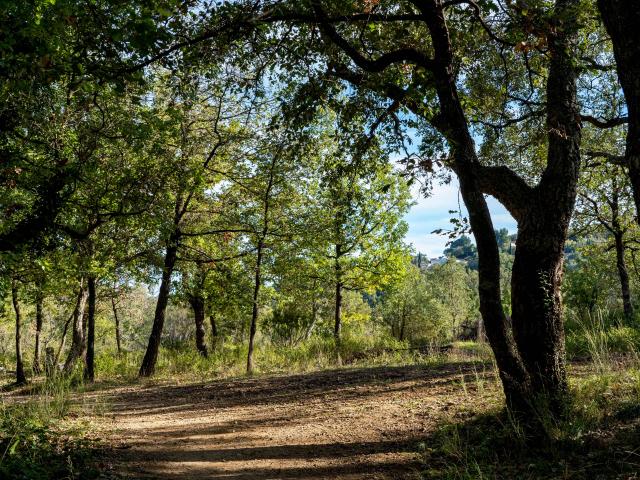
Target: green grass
{"points": [[598, 439], [35, 441], [229, 360]]}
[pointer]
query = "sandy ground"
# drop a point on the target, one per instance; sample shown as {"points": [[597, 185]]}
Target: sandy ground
{"points": [[341, 424]]}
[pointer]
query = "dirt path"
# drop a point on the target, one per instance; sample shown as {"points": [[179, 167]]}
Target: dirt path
{"points": [[341, 424]]}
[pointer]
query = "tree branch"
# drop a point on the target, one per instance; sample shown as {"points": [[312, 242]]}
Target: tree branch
{"points": [[606, 123], [506, 186]]}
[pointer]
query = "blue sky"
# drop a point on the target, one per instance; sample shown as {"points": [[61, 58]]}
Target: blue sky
{"points": [[432, 213]]}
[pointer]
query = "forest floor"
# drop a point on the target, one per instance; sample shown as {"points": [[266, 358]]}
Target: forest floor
{"points": [[359, 423], [439, 419]]}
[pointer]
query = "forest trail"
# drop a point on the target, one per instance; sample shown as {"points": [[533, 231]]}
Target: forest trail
{"points": [[351, 424]]}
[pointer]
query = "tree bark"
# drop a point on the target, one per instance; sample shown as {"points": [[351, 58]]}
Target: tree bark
{"points": [[537, 307], [254, 311], [214, 331], [197, 304], [623, 274], [117, 321], [89, 369], [402, 323], [39, 320], [258, 274], [150, 359], [542, 228], [78, 344], [621, 19], [337, 324], [21, 378]]}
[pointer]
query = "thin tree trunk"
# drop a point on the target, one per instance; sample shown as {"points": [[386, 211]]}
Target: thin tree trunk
{"points": [[314, 316], [117, 321], [148, 366], [258, 273], [197, 304], [78, 342], [64, 333], [39, 319], [337, 327], [214, 331], [254, 311], [337, 323], [20, 375], [624, 275], [89, 370]]}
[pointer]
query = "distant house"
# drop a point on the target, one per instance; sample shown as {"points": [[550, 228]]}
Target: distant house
{"points": [[438, 261]]}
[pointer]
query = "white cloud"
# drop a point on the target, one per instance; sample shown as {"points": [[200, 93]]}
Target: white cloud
{"points": [[432, 213]]}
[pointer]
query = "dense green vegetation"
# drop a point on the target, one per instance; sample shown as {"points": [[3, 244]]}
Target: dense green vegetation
{"points": [[201, 189]]}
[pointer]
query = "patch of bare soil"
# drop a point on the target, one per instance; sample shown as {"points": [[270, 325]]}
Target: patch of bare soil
{"points": [[341, 424]]}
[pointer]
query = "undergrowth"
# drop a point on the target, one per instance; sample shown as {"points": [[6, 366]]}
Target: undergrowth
{"points": [[36, 445], [318, 353], [599, 438]]}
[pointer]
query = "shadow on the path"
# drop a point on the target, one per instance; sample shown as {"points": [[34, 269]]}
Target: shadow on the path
{"points": [[278, 390]]}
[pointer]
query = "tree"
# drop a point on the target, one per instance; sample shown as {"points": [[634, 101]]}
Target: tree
{"points": [[606, 202], [450, 286], [198, 132], [58, 57], [360, 213], [412, 311], [389, 72], [462, 249], [268, 177], [621, 19], [21, 378]]}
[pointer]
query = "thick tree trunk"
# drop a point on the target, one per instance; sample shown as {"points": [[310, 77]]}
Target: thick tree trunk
{"points": [[117, 321], [20, 375], [39, 319], [543, 224], [197, 304], [624, 275], [89, 369], [78, 344], [621, 19], [537, 307], [254, 311], [150, 359]]}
